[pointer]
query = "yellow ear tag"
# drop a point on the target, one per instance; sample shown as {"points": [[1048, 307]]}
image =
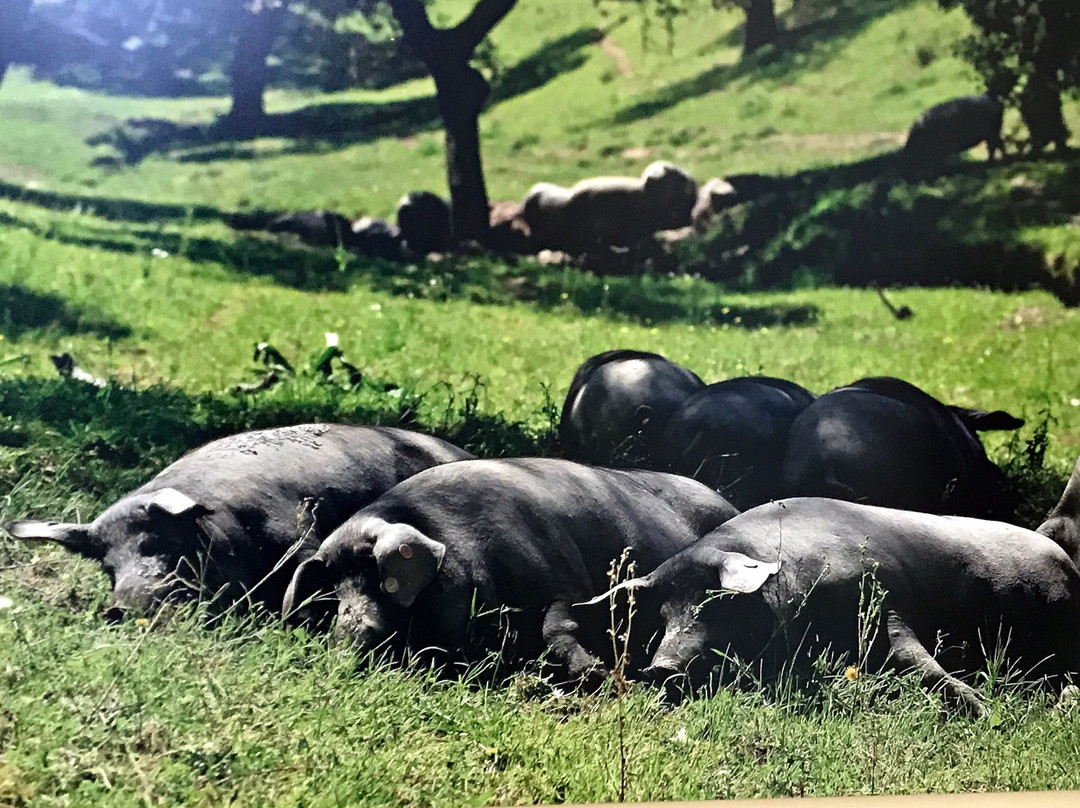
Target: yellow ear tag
{"points": [[391, 585]]}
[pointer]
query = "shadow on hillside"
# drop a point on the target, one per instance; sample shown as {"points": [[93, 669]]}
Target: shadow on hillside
{"points": [[807, 47], [23, 310], [546, 63], [314, 129], [298, 267], [861, 224], [855, 224], [122, 210], [322, 128], [119, 427], [479, 279]]}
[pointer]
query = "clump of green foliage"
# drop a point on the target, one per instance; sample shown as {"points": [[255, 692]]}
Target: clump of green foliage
{"points": [[185, 47], [1027, 51]]}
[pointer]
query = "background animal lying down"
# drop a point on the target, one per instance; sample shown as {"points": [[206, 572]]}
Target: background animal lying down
{"points": [[604, 211], [733, 435], [884, 441], [618, 405], [218, 520], [792, 572], [534, 535]]}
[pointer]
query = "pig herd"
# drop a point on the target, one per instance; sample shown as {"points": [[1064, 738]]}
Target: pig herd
{"points": [[403, 543], [608, 223]]}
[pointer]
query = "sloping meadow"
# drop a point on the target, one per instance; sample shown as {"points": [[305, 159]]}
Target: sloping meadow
{"points": [[130, 270], [173, 711]]}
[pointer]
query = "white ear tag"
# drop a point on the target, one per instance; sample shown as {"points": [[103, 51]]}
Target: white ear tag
{"points": [[173, 502], [408, 561]]}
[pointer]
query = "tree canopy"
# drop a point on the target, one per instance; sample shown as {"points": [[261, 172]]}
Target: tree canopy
{"points": [[761, 26], [1028, 52], [154, 47]]}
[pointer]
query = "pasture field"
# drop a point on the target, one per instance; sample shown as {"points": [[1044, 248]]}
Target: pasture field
{"points": [[130, 269]]}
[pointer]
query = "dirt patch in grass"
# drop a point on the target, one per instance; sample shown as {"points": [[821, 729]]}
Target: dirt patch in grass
{"points": [[622, 62], [1027, 317], [20, 174], [839, 141]]}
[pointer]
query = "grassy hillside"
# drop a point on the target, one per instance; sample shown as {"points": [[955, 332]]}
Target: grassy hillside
{"points": [[129, 267], [845, 87], [583, 90]]}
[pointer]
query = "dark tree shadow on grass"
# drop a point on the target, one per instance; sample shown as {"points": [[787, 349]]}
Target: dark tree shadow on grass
{"points": [[23, 310], [312, 129], [121, 436], [807, 48], [291, 265], [326, 127], [121, 210], [485, 280], [552, 59], [862, 224], [856, 224]]}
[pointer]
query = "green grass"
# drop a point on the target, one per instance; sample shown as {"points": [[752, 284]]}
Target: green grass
{"points": [[825, 99], [272, 717], [257, 714], [131, 269], [447, 742]]}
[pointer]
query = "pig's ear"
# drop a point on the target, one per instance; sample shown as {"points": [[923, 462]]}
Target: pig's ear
{"points": [[176, 503], [309, 599], [76, 538], [739, 573], [983, 421], [408, 561]]}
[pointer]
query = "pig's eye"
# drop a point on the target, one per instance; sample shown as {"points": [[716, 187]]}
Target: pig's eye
{"points": [[155, 544]]}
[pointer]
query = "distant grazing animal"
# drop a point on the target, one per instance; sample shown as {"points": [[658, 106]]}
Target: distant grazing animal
{"points": [[884, 441], [376, 238], [509, 232], [319, 228], [544, 212], [733, 435], [221, 520], [530, 535], [953, 127], [610, 211], [789, 580], [424, 221], [618, 405], [714, 196]]}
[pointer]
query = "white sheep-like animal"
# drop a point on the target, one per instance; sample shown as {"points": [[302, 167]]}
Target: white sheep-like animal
{"points": [[544, 211], [610, 211], [714, 196]]}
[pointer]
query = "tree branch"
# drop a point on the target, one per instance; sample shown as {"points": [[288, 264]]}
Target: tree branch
{"points": [[485, 15], [416, 28], [451, 48]]}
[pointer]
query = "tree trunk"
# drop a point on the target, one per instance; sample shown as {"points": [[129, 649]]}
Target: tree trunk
{"points": [[248, 74], [1040, 109], [13, 14], [761, 26], [461, 93]]}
